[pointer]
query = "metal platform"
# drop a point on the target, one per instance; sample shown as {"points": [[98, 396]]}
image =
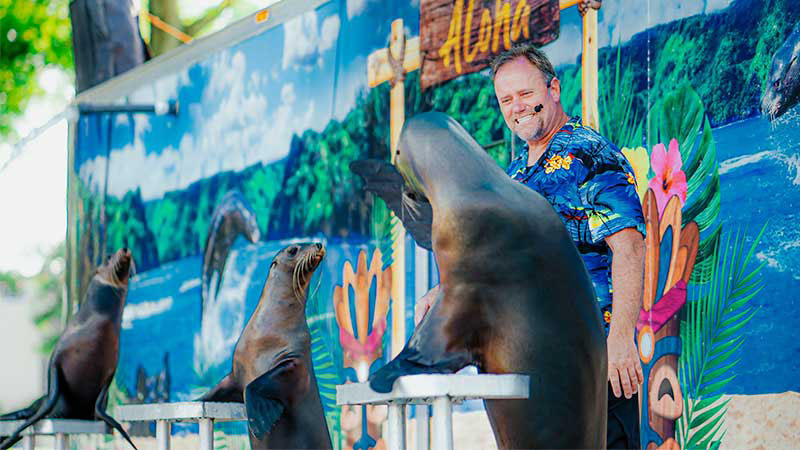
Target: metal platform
{"points": [[441, 391], [204, 413], [60, 428]]}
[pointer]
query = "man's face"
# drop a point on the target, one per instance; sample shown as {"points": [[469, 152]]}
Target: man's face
{"points": [[520, 87]]}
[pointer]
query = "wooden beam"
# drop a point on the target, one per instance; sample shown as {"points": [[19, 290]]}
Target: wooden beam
{"points": [[591, 116], [379, 70]]}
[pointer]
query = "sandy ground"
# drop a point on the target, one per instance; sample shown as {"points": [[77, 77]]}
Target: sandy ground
{"points": [[770, 421]]}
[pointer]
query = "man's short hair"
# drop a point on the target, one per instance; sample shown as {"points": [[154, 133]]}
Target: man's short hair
{"points": [[529, 52]]}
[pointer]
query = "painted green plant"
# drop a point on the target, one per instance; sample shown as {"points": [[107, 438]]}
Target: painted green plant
{"points": [[680, 115], [619, 121], [712, 338]]}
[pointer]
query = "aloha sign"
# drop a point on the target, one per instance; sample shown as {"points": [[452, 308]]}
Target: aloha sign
{"points": [[461, 36]]}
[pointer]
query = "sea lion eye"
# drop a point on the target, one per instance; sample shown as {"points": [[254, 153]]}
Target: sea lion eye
{"points": [[292, 251], [776, 84]]}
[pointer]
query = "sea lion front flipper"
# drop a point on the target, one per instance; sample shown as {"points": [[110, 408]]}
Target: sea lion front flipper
{"points": [[265, 397], [383, 179], [430, 349], [100, 412], [227, 390]]}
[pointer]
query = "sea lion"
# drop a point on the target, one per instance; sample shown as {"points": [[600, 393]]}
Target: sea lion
{"points": [[515, 296], [272, 371], [85, 357], [232, 217], [783, 82]]}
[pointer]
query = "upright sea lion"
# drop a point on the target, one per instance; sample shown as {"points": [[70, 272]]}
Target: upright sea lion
{"points": [[783, 82], [85, 358], [272, 371], [515, 296], [232, 217]]}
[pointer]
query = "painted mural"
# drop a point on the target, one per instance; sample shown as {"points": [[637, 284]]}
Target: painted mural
{"points": [[258, 157]]}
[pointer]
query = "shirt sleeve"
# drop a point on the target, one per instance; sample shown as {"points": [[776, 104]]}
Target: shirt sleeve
{"points": [[609, 191]]}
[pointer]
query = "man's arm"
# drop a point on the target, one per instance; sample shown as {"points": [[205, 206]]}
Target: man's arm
{"points": [[627, 280]]}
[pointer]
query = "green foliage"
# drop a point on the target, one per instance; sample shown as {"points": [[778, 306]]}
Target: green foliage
{"points": [[680, 115], [34, 34], [49, 288], [9, 283], [619, 122], [712, 337], [570, 79]]}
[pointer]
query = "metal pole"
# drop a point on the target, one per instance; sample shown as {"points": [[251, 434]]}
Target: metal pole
{"points": [[207, 434], [61, 441], [442, 423], [29, 442], [397, 427], [423, 427], [162, 434]]}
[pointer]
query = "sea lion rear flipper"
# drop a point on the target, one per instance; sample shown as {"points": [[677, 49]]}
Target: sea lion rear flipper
{"points": [[429, 350], [100, 412], [265, 397], [227, 390], [53, 382], [383, 179], [24, 413]]}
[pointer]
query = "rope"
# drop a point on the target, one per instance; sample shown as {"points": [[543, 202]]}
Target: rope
{"points": [[166, 28]]}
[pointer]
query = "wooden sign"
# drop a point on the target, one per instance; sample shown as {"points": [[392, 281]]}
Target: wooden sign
{"points": [[458, 37]]}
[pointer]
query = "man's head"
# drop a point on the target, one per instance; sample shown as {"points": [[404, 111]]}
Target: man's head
{"points": [[523, 79]]}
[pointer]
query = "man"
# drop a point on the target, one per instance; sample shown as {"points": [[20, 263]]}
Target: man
{"points": [[591, 186]]}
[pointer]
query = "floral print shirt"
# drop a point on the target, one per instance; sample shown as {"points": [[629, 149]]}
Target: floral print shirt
{"points": [[591, 186]]}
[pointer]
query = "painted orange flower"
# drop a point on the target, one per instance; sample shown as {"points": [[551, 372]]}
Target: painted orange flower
{"points": [[607, 316], [361, 336], [670, 179]]}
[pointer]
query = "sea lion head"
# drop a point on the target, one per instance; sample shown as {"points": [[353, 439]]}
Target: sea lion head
{"points": [[117, 269], [109, 287], [783, 82], [297, 263]]}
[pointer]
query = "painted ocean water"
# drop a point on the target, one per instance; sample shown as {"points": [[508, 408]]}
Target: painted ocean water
{"points": [[760, 178], [760, 183]]}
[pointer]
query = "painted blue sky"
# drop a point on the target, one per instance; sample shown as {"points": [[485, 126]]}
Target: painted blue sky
{"points": [[242, 105]]}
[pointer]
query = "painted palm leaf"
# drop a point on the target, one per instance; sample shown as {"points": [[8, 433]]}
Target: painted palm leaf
{"points": [[620, 123], [680, 115], [712, 337], [327, 376]]}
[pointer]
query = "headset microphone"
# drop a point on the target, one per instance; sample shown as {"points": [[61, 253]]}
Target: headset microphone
{"points": [[538, 107]]}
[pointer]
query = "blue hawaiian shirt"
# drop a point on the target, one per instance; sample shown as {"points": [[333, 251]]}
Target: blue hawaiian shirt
{"points": [[591, 186]]}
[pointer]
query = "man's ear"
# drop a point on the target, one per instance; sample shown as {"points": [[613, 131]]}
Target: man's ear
{"points": [[555, 89]]}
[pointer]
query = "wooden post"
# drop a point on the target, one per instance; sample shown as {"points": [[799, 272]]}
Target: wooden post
{"points": [[391, 65], [591, 116]]}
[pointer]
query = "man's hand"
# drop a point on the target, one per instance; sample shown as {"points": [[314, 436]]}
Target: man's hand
{"points": [[627, 278], [624, 368], [584, 5], [424, 304]]}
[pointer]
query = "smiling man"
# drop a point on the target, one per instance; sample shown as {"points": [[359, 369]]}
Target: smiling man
{"points": [[591, 186]]}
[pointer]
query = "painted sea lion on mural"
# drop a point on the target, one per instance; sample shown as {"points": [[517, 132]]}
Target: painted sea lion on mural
{"points": [[272, 371], [85, 357], [515, 296], [232, 217], [782, 90]]}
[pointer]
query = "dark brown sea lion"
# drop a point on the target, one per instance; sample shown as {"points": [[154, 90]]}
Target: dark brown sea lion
{"points": [[85, 358], [272, 371], [515, 296], [782, 90]]}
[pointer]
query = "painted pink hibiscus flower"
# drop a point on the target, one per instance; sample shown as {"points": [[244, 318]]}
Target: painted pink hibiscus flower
{"points": [[670, 179]]}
